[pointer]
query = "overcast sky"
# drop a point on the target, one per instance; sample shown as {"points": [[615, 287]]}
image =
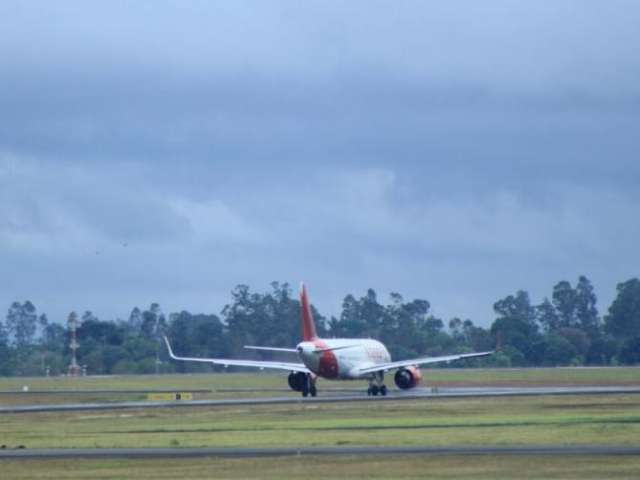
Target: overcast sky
{"points": [[166, 151]]}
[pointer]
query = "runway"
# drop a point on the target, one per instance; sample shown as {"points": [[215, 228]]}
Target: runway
{"points": [[102, 391], [61, 453], [395, 395]]}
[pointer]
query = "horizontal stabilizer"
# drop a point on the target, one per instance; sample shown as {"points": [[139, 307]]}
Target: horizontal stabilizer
{"points": [[322, 350], [270, 349]]}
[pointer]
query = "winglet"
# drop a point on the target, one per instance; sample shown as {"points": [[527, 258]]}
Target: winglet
{"points": [[171, 354], [308, 327]]}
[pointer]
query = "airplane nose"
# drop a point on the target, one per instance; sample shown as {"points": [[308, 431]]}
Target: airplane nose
{"points": [[300, 350]]}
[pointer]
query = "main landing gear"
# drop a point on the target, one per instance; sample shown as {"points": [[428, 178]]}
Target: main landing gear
{"points": [[304, 383], [376, 385], [309, 387]]}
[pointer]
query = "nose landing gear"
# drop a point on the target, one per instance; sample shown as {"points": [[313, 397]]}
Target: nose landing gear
{"points": [[376, 385]]}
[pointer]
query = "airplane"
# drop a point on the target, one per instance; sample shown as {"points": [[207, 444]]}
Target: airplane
{"points": [[335, 359]]}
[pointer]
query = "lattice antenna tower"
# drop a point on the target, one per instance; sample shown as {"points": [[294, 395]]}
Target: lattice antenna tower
{"points": [[72, 322]]}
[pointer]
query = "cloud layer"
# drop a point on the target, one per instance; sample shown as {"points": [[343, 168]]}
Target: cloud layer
{"points": [[166, 151]]}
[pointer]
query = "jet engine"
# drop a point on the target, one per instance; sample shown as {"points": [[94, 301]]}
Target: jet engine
{"points": [[407, 377], [297, 380]]}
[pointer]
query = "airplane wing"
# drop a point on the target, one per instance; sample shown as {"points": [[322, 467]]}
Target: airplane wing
{"points": [[421, 361], [290, 367]]}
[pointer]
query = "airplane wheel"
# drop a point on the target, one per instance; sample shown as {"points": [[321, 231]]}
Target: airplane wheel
{"points": [[383, 390], [313, 390], [308, 387], [374, 390]]}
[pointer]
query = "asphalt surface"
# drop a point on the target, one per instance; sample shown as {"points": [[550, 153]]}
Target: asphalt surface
{"points": [[54, 453], [98, 391], [416, 394]]}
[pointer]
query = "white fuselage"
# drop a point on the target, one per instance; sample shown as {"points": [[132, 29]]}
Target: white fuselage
{"points": [[342, 357]]}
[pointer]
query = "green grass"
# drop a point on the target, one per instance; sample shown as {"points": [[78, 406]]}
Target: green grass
{"points": [[480, 421], [133, 382], [219, 383], [596, 419], [309, 467], [522, 377], [213, 382]]}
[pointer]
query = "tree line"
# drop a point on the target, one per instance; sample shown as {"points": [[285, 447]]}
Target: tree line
{"points": [[566, 328]]}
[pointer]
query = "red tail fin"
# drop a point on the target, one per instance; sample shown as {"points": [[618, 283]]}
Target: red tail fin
{"points": [[308, 327]]}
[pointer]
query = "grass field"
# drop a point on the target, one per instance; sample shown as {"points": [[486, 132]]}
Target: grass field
{"points": [[571, 420], [481, 421], [250, 384], [446, 467]]}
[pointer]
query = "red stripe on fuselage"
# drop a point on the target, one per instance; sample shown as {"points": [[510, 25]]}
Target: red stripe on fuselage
{"points": [[327, 363]]}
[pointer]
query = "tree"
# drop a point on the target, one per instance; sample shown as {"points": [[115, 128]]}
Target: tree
{"points": [[43, 321], [560, 351], [153, 321], [351, 324], [88, 316], [22, 323], [630, 351], [372, 313], [4, 335], [586, 310], [564, 301], [270, 319], [623, 320], [477, 338], [7, 364], [135, 319], [547, 316], [54, 337], [516, 325], [153, 324], [455, 327], [404, 327], [280, 317], [578, 338], [391, 318], [199, 336], [239, 317], [407, 329], [603, 349], [95, 333]]}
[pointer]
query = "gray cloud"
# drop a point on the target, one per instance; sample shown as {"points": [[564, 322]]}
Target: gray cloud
{"points": [[165, 151]]}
